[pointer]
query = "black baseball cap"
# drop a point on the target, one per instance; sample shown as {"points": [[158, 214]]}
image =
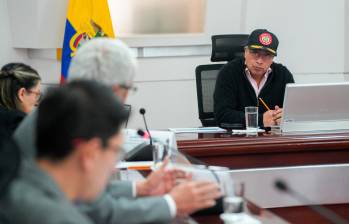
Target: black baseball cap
{"points": [[262, 39]]}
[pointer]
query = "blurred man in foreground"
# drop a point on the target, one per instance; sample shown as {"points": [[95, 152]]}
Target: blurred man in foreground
{"points": [[111, 62], [75, 155]]}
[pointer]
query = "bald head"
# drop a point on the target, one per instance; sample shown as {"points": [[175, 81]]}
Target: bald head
{"points": [[107, 60]]}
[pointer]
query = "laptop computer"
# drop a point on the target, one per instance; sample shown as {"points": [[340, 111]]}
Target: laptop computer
{"points": [[316, 108]]}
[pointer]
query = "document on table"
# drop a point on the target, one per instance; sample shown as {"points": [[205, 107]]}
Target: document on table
{"points": [[198, 130], [211, 130], [242, 132]]}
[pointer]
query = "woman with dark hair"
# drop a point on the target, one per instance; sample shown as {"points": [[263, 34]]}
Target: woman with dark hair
{"points": [[19, 93]]}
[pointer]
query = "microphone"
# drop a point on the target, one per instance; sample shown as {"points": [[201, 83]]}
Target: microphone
{"points": [[141, 133], [191, 159], [321, 210], [142, 112], [218, 208], [144, 151]]}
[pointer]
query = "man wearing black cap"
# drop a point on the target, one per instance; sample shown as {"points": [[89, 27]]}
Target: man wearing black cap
{"points": [[243, 81]]}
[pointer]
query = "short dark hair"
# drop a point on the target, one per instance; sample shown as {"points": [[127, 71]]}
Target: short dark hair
{"points": [[14, 76], [81, 109]]}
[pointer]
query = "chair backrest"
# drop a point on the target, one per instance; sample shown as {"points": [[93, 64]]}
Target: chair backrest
{"points": [[228, 47], [224, 48], [206, 76]]}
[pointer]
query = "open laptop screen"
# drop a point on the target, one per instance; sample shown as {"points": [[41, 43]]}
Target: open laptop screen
{"points": [[316, 107]]}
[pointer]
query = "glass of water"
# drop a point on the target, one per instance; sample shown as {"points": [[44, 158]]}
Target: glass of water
{"points": [[251, 118], [233, 191], [159, 154], [233, 204]]}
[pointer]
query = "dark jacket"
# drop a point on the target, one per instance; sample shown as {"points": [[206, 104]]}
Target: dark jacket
{"points": [[9, 120], [234, 92], [9, 152], [9, 164], [34, 197]]}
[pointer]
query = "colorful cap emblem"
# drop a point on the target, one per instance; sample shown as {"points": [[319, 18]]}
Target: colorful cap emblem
{"points": [[265, 39]]}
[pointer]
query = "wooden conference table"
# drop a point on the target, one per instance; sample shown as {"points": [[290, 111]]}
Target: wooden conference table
{"points": [[273, 151], [295, 215], [266, 150], [263, 215]]}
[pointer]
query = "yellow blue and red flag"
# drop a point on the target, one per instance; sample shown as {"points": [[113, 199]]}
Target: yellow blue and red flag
{"points": [[86, 19]]}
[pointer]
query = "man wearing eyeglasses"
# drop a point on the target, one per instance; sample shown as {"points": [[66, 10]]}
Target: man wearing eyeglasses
{"points": [[246, 81], [153, 200], [75, 155]]}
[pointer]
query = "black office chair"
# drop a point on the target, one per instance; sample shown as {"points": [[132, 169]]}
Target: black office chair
{"points": [[206, 76], [224, 48]]}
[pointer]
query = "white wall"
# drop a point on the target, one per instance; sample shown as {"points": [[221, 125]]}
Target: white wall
{"points": [[48, 67], [314, 44], [7, 52], [166, 86], [37, 23], [311, 33], [167, 89]]}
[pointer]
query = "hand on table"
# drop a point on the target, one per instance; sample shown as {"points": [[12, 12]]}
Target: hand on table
{"points": [[160, 181], [191, 196], [272, 117]]}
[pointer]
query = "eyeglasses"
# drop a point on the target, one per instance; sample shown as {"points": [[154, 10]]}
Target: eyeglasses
{"points": [[256, 54], [37, 94], [129, 88]]}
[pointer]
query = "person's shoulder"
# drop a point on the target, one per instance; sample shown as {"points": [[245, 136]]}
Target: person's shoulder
{"points": [[27, 204], [9, 117], [232, 67], [237, 63], [281, 69], [9, 121], [278, 67]]}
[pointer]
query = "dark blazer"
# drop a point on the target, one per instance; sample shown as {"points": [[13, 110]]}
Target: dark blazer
{"points": [[9, 152], [9, 120], [9, 165]]}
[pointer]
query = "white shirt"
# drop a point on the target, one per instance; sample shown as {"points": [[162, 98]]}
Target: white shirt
{"points": [[257, 89]]}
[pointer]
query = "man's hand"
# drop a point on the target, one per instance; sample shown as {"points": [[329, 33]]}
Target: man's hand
{"points": [[277, 115], [191, 196], [268, 118], [272, 117], [159, 182]]}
